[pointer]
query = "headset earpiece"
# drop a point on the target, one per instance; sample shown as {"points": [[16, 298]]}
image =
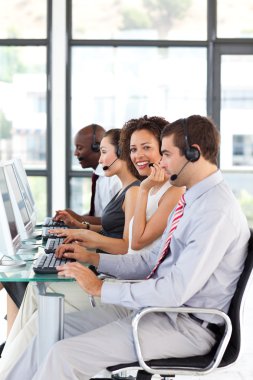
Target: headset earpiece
{"points": [[95, 146], [118, 152], [191, 153]]}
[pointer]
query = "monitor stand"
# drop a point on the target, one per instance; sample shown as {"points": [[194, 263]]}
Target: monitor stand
{"points": [[8, 263], [37, 234], [29, 245]]}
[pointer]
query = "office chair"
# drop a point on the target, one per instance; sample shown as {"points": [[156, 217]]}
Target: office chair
{"points": [[223, 354]]}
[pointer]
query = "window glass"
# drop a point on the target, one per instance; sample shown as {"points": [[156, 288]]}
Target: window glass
{"points": [[236, 158], [242, 186], [80, 189], [23, 19], [113, 85], [236, 111], [39, 190], [139, 19], [234, 18], [23, 104]]}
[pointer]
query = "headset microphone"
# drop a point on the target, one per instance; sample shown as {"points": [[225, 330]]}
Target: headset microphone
{"points": [[107, 167], [173, 177]]}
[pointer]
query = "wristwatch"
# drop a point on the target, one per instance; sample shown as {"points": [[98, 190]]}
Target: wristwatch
{"points": [[87, 224]]}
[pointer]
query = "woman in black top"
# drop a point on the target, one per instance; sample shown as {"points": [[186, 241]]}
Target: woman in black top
{"points": [[112, 235]]}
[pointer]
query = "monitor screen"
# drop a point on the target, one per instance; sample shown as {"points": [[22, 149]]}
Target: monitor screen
{"points": [[17, 193], [9, 236], [25, 189], [23, 178]]}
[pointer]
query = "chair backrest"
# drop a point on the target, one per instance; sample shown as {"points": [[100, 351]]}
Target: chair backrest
{"points": [[234, 345], [236, 307]]}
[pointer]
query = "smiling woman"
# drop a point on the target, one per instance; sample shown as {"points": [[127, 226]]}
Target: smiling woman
{"points": [[144, 151], [140, 141]]}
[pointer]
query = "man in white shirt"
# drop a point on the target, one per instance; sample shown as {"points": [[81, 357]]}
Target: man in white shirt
{"points": [[200, 267], [87, 150], [106, 188]]}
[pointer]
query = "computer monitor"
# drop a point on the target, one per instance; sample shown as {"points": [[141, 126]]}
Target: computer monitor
{"points": [[10, 240], [21, 171], [22, 216], [25, 189]]}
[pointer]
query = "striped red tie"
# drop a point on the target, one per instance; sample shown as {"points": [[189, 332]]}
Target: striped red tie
{"points": [[179, 210], [94, 179]]}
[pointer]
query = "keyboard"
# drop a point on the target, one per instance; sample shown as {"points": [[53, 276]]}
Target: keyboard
{"points": [[47, 263], [52, 244]]}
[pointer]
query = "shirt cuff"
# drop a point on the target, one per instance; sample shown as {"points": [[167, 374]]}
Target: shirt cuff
{"points": [[111, 291]]}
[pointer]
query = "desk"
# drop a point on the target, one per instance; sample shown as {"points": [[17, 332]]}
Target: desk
{"points": [[50, 305]]}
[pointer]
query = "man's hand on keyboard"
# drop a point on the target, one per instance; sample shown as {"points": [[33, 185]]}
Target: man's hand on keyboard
{"points": [[70, 212], [77, 252], [84, 276], [66, 217]]}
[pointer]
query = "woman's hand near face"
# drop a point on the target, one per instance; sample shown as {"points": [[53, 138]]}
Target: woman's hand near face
{"points": [[156, 178]]}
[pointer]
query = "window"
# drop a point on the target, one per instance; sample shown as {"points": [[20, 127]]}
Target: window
{"points": [[23, 19], [243, 150], [116, 84], [235, 18], [170, 58], [23, 89], [139, 19], [236, 110], [236, 113], [22, 82]]}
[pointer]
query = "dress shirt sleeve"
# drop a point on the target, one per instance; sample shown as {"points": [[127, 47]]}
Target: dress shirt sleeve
{"points": [[130, 267], [196, 255]]}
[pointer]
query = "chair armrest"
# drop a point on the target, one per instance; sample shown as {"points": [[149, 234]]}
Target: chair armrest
{"points": [[165, 371]]}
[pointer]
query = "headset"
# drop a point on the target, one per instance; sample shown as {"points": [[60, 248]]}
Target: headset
{"points": [[95, 146], [118, 152], [191, 153]]}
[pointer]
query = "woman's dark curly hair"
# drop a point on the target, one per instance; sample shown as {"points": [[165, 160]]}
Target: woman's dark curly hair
{"points": [[153, 124]]}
